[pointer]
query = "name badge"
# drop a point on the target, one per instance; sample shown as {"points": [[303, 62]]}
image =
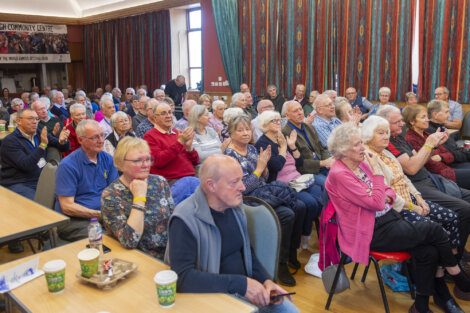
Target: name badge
{"points": [[42, 162]]}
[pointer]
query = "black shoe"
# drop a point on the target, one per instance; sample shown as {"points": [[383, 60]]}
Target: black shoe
{"points": [[449, 307], [294, 263], [465, 266], [448, 278], [15, 247], [284, 276], [466, 256], [462, 295], [413, 309]]}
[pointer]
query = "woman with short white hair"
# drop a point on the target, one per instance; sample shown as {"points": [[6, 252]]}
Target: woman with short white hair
{"points": [[384, 99], [206, 141], [217, 117], [77, 114], [122, 127]]}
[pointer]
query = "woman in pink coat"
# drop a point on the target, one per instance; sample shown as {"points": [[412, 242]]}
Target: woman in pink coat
{"points": [[366, 220]]}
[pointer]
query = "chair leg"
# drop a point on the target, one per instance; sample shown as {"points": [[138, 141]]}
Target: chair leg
{"points": [[354, 271], [408, 279], [317, 227], [381, 284], [335, 281], [31, 246], [364, 275]]}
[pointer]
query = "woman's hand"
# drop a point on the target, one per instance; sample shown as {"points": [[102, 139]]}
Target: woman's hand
{"points": [[138, 188], [423, 205], [292, 139], [263, 159], [374, 163]]}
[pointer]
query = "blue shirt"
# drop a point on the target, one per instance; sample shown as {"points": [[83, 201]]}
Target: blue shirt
{"points": [[455, 110], [79, 177], [324, 128]]}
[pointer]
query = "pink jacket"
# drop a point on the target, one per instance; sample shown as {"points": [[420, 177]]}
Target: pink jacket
{"points": [[327, 240], [355, 207]]}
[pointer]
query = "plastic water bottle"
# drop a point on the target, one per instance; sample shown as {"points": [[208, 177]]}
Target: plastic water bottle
{"points": [[95, 235]]}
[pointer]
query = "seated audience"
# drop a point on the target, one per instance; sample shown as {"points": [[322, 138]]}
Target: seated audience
{"points": [[416, 118], [284, 200], [141, 110], [455, 109], [4, 116], [25, 98], [175, 157], [282, 167], [325, 120], [310, 106], [366, 221], [239, 101], [117, 94], [357, 101], [216, 256], [250, 104], [263, 105], [80, 97], [216, 119], [229, 115], [5, 98], [183, 123], [80, 180], [107, 108], [171, 103], [136, 206], [58, 107], [129, 99], [346, 113], [159, 95], [78, 114], [206, 141], [121, 128], [147, 123], [16, 105], [205, 100], [276, 98], [300, 95], [384, 98]]}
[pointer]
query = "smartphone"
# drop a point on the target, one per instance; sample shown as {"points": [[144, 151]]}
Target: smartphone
{"points": [[275, 298], [106, 249]]}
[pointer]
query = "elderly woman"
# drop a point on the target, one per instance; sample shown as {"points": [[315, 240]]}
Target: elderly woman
{"points": [[217, 117], [411, 98], [136, 206], [283, 199], [376, 136], [206, 141], [367, 221], [229, 115], [282, 167], [239, 101], [205, 100], [384, 98], [122, 127], [16, 105], [345, 112], [77, 114], [416, 118]]}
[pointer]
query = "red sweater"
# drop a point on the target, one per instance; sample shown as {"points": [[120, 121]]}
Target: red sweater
{"points": [[172, 161], [442, 168], [73, 139]]}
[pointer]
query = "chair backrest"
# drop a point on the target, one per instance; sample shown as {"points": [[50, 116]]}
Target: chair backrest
{"points": [[45, 191], [466, 125], [53, 154], [264, 231]]}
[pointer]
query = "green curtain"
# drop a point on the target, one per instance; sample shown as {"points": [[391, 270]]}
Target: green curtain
{"points": [[226, 24]]}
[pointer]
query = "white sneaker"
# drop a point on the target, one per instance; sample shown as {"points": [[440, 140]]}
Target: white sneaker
{"points": [[312, 266], [304, 242]]}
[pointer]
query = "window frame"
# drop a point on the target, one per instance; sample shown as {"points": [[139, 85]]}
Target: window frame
{"points": [[188, 31]]}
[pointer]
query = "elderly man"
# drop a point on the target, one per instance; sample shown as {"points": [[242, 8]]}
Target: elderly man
{"points": [[317, 160], [78, 114], [413, 162], [99, 92], [52, 123], [300, 95], [159, 94], [148, 123], [183, 123], [176, 89], [263, 105], [209, 246], [175, 157], [455, 109], [107, 108], [81, 177], [310, 106], [276, 98], [80, 97], [325, 120], [331, 93], [357, 101], [58, 105], [129, 109], [117, 94], [141, 115]]}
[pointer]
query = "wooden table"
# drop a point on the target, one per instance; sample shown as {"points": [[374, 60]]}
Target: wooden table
{"points": [[22, 217], [133, 294]]}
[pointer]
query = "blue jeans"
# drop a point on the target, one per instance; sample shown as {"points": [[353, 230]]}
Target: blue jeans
{"points": [[27, 189], [315, 198], [285, 307]]}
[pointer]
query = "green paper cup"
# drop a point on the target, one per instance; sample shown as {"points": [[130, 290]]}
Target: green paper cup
{"points": [[89, 261], [55, 275], [166, 288], [2, 127]]}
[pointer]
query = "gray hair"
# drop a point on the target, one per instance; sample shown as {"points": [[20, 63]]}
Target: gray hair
{"points": [[435, 106], [188, 104], [386, 110], [330, 92], [217, 103], [286, 105], [46, 101], [131, 90], [235, 98], [150, 104], [232, 113], [34, 96], [115, 116], [80, 93], [16, 101], [141, 92], [409, 95], [321, 99], [158, 90], [385, 90], [76, 106], [83, 125], [265, 118], [194, 114], [370, 125], [106, 99], [340, 139]]}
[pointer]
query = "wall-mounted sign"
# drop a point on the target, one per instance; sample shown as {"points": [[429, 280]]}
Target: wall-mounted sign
{"points": [[33, 43]]}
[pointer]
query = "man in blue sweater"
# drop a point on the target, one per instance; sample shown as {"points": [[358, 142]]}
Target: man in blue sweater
{"points": [[208, 243]]}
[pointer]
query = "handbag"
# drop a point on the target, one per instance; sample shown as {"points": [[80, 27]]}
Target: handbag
{"points": [[302, 182], [446, 185]]}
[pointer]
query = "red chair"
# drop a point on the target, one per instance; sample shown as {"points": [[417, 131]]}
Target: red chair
{"points": [[376, 257]]}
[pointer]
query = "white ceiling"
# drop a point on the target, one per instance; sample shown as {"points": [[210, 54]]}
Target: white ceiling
{"points": [[68, 8]]}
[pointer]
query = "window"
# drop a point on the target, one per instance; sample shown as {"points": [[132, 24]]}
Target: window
{"points": [[194, 47]]}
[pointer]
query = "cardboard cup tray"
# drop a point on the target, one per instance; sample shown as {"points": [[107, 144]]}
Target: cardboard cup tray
{"points": [[120, 269]]}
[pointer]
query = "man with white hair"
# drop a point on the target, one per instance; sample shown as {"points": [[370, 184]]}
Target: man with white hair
{"points": [[107, 108], [325, 120], [141, 93], [331, 93], [117, 94], [455, 108], [148, 123], [81, 178], [52, 123], [159, 94], [141, 111], [130, 92], [357, 101], [263, 105], [183, 123], [58, 105], [300, 95], [80, 97]]}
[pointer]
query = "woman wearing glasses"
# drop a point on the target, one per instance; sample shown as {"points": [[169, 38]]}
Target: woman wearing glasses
{"points": [[122, 127], [136, 206]]}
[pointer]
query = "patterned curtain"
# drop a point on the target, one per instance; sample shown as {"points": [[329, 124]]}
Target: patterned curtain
{"points": [[444, 55], [144, 50], [99, 55], [226, 24], [374, 46]]}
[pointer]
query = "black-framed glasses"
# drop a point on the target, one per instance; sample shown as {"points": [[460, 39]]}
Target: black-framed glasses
{"points": [[142, 161]]}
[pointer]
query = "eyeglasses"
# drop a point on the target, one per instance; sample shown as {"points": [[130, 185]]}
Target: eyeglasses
{"points": [[96, 137], [141, 162], [129, 93], [164, 113], [31, 118], [275, 121]]}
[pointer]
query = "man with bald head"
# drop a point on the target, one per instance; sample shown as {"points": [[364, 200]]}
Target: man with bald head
{"points": [[209, 246], [108, 109], [357, 101], [148, 123], [141, 111], [326, 119], [300, 95], [52, 123]]}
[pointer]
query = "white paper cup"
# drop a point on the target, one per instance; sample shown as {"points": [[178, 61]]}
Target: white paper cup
{"points": [[165, 282]]}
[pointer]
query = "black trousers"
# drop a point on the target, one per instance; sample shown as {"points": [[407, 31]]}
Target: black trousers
{"points": [[461, 206], [427, 242]]}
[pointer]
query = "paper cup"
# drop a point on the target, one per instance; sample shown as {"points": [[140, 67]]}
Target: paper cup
{"points": [[166, 288], [11, 128], [2, 127], [89, 261], [55, 275]]}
